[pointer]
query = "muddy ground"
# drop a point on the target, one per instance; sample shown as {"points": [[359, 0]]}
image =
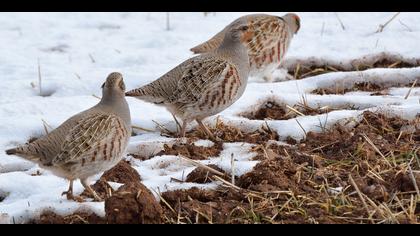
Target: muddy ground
{"points": [[374, 89], [369, 173], [304, 70]]}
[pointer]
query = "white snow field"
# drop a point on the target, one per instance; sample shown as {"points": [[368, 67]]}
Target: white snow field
{"points": [[76, 51]]}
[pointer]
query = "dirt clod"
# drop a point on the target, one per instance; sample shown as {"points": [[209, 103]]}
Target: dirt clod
{"points": [[201, 175], [133, 204], [49, 217], [191, 151], [122, 173]]}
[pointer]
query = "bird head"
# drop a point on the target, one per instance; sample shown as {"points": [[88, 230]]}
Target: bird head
{"points": [[240, 30], [114, 85], [293, 21]]}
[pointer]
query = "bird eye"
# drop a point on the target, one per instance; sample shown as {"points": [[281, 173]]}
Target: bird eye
{"points": [[244, 28]]}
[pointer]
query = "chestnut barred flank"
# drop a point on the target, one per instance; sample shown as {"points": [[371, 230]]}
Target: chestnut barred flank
{"points": [[268, 44], [204, 85]]}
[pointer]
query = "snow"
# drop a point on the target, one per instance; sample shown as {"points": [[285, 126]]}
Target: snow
{"points": [[139, 46]]}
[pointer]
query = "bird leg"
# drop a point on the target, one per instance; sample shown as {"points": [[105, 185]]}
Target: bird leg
{"points": [[69, 192], [208, 132], [178, 125], [90, 190], [183, 129]]}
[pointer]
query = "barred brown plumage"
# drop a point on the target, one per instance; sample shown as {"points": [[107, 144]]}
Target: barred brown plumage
{"points": [[204, 85], [268, 45], [89, 142]]}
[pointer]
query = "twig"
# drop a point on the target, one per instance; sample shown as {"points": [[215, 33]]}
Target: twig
{"points": [[339, 20], [39, 78], [93, 95], [294, 110], [196, 163], [226, 182], [413, 179], [140, 128], [232, 164], [77, 75], [161, 127], [409, 91], [406, 26], [297, 71], [91, 58], [45, 126], [376, 149], [382, 27], [360, 196], [304, 131], [167, 21], [164, 201]]}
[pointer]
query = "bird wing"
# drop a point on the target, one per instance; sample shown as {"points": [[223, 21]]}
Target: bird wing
{"points": [[268, 30], [198, 75], [87, 135], [210, 44]]}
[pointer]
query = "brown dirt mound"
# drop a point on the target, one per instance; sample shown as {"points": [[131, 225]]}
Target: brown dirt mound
{"points": [[310, 182], [133, 204], [101, 187], [303, 71], [201, 175], [376, 89], [191, 151], [49, 217], [274, 111], [232, 134], [203, 206], [121, 173]]}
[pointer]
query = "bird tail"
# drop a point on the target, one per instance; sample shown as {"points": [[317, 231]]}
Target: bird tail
{"points": [[209, 45], [11, 151], [24, 151], [148, 93]]}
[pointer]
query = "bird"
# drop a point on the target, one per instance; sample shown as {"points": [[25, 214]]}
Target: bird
{"points": [[269, 44], [88, 143], [206, 84]]}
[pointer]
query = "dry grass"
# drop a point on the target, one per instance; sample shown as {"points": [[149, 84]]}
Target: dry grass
{"points": [[301, 71], [367, 174]]}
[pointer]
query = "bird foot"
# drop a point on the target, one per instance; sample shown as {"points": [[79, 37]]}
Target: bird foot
{"points": [[70, 196], [214, 138]]}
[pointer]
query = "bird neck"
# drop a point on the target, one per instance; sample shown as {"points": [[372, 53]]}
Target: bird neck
{"points": [[235, 51], [116, 104]]}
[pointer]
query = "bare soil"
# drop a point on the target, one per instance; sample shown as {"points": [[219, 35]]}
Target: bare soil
{"points": [[305, 70], [133, 204], [375, 89], [201, 175], [50, 217], [314, 181], [365, 174], [274, 111], [121, 173], [229, 134], [191, 151]]}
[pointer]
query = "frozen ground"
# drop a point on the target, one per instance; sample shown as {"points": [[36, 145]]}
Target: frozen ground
{"points": [[76, 51]]}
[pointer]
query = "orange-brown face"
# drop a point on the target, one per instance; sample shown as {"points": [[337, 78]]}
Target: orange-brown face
{"points": [[297, 20], [247, 34]]}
